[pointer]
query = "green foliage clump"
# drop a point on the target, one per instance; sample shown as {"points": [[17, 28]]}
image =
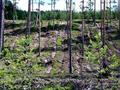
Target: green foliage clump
{"points": [[95, 53], [59, 41], [58, 87], [18, 67]]}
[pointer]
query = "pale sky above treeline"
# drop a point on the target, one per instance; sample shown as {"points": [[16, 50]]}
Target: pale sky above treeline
{"points": [[60, 5]]}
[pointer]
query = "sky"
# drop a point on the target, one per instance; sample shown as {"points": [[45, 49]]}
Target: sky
{"points": [[60, 5]]}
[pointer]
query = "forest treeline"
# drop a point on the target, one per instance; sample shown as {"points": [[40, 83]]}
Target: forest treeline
{"points": [[48, 15]]}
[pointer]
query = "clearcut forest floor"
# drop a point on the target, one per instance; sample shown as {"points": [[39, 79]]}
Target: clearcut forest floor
{"points": [[55, 63]]}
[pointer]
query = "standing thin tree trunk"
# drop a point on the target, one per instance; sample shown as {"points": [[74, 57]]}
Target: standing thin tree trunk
{"points": [[104, 17], [67, 31], [54, 2], [1, 26], [39, 25], [67, 9], [101, 19], [14, 13], [102, 5], [29, 19], [110, 16], [69, 34], [119, 13], [32, 11], [107, 14], [32, 5], [52, 12], [94, 12], [83, 26], [102, 22], [51, 4]]}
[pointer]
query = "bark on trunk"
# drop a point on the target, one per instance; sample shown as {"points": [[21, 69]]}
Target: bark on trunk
{"points": [[102, 8], [39, 25], [14, 13], [110, 16], [119, 13], [29, 19], [1, 25], [94, 12], [69, 37]]}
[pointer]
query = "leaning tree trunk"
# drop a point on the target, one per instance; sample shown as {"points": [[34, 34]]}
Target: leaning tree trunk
{"points": [[1, 25]]}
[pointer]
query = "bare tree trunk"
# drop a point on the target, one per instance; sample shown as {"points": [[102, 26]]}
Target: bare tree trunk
{"points": [[51, 4], [102, 5], [94, 12], [107, 14], [1, 26], [54, 2], [14, 13], [101, 19], [119, 13], [83, 26], [67, 31], [32, 5], [110, 16], [67, 9], [39, 25], [104, 16], [82, 32], [28, 19], [69, 39]]}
